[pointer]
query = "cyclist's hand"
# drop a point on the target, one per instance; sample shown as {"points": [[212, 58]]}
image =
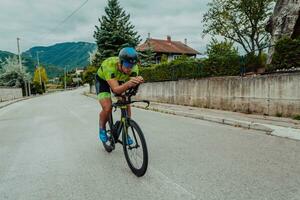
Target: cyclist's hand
{"points": [[132, 83], [141, 79], [135, 80]]}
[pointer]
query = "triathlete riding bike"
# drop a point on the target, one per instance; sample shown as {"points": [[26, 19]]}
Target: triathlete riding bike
{"points": [[116, 74]]}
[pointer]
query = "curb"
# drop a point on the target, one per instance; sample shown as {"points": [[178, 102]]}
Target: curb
{"points": [[283, 132], [18, 100], [230, 122]]}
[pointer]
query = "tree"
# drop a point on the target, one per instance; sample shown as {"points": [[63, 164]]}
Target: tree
{"points": [[286, 55], [89, 76], [240, 21], [148, 56], [115, 32], [12, 75], [40, 75], [223, 59], [40, 79]]}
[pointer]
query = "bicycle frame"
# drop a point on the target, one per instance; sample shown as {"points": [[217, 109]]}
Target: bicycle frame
{"points": [[123, 106], [116, 131]]}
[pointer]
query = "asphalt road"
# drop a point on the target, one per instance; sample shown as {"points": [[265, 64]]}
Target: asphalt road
{"points": [[49, 149]]}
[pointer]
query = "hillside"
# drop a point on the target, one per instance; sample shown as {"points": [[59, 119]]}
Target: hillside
{"points": [[69, 54]]}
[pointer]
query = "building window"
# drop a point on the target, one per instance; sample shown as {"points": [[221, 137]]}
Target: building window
{"points": [[176, 57]]}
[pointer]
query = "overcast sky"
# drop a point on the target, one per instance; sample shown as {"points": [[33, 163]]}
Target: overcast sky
{"points": [[38, 22]]}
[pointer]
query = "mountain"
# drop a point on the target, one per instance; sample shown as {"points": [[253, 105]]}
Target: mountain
{"points": [[5, 54], [68, 54], [30, 64]]}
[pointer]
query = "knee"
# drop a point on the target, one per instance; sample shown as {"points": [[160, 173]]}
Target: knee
{"points": [[107, 109]]}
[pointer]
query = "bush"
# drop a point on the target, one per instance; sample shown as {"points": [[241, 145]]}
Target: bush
{"points": [[297, 117], [253, 62], [286, 55], [223, 59], [182, 68], [36, 88]]}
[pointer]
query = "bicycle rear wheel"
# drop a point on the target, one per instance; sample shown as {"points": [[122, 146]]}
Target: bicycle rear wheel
{"points": [[136, 154]]}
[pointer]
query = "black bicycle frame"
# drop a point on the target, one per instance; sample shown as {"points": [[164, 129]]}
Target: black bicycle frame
{"points": [[116, 131]]}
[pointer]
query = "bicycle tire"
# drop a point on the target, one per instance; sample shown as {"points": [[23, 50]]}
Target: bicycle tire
{"points": [[138, 171]]}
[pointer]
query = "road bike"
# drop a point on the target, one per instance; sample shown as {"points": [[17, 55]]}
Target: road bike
{"points": [[136, 154]]}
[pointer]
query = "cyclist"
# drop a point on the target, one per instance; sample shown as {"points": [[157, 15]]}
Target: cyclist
{"points": [[116, 74]]}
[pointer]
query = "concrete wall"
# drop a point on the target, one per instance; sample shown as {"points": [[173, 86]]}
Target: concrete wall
{"points": [[269, 94], [10, 94]]}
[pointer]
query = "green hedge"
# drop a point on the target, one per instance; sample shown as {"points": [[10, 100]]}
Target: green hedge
{"points": [[177, 69], [187, 68], [286, 55]]}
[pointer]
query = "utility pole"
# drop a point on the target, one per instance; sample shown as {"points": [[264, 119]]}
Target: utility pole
{"points": [[20, 63], [77, 78], [65, 79]]}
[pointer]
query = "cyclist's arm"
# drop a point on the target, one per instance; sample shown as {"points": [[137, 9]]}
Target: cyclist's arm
{"points": [[119, 89]]}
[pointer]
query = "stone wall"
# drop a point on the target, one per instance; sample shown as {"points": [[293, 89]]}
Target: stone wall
{"points": [[10, 93], [268, 94]]}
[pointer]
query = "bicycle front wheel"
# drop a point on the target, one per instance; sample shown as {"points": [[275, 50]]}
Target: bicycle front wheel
{"points": [[136, 154]]}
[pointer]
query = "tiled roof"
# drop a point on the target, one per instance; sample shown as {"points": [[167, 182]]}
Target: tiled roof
{"points": [[167, 46]]}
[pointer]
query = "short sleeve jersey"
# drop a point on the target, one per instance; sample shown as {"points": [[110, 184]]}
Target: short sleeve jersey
{"points": [[109, 70]]}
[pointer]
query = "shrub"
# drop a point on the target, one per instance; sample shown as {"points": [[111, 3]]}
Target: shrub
{"points": [[286, 55]]}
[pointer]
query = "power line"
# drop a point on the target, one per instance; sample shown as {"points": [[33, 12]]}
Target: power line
{"points": [[68, 17]]}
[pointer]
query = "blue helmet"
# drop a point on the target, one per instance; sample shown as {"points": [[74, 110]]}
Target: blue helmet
{"points": [[128, 57]]}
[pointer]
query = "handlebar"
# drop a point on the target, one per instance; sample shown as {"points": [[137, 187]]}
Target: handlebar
{"points": [[129, 93], [126, 98], [124, 103]]}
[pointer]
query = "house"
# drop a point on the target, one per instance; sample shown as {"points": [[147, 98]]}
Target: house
{"points": [[172, 49], [79, 71]]}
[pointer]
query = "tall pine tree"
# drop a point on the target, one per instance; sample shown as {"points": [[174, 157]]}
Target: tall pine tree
{"points": [[115, 32], [147, 57]]}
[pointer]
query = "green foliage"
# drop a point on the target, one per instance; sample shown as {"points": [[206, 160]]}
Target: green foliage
{"points": [[253, 62], [241, 21], [115, 32], [286, 55], [182, 68], [223, 59], [89, 75], [297, 117], [147, 57], [164, 58], [36, 88]]}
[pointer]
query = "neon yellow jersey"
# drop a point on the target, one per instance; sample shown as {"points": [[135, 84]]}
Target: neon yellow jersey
{"points": [[109, 70]]}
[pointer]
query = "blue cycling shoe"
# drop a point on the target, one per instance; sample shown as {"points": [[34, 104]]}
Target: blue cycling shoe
{"points": [[102, 135], [129, 140]]}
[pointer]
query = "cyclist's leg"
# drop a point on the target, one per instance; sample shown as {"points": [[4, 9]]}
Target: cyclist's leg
{"points": [[129, 110], [104, 97], [105, 112]]}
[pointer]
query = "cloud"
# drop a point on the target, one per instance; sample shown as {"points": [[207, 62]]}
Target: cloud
{"points": [[38, 22]]}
